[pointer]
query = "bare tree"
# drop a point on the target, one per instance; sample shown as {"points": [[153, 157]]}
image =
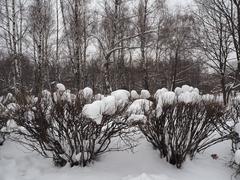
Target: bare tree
{"points": [[216, 43], [180, 46], [76, 22], [13, 32], [230, 11], [41, 29], [143, 25]]}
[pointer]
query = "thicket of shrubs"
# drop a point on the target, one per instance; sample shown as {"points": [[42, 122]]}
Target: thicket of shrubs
{"points": [[77, 128], [66, 135], [183, 129]]}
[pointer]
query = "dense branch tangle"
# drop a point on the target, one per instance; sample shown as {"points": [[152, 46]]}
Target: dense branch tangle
{"points": [[64, 134], [183, 129]]}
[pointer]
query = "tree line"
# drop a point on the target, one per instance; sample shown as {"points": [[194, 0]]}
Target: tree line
{"points": [[119, 44]]}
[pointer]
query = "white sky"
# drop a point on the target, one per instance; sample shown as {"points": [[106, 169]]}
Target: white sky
{"points": [[183, 3], [171, 3]]}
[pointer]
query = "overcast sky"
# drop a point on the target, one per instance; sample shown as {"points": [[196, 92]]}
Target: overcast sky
{"points": [[182, 3]]}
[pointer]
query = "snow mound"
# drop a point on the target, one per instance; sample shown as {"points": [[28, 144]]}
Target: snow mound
{"points": [[187, 88], [134, 95], [196, 90], [94, 111], [140, 107], [178, 91], [87, 93], [159, 92], [167, 98], [109, 103], [60, 87], [145, 94], [189, 97], [122, 97]]}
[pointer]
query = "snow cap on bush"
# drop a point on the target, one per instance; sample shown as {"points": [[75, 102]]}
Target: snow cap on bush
{"points": [[159, 92], [94, 111], [189, 97], [60, 87], [109, 103], [87, 93], [134, 95], [140, 107], [166, 98], [187, 88], [178, 91], [122, 97], [145, 94]]}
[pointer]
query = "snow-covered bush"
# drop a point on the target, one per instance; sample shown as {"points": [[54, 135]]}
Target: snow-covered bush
{"points": [[75, 133], [181, 124], [122, 97], [134, 95], [145, 94], [182, 129], [159, 92], [140, 107]]}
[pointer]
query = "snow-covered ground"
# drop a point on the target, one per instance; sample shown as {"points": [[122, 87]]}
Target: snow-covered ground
{"points": [[17, 163]]}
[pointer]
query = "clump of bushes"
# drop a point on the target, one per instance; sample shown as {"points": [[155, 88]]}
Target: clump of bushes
{"points": [[78, 128], [182, 123], [182, 129], [59, 128]]}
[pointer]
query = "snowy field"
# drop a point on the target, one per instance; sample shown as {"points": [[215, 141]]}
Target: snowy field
{"points": [[17, 163]]}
